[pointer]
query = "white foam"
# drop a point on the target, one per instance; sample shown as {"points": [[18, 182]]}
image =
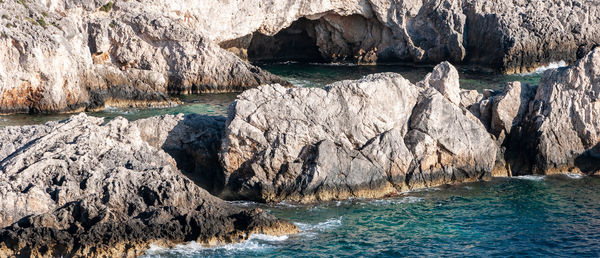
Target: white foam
{"points": [[287, 204], [404, 200], [531, 177], [243, 203], [552, 65], [255, 243], [335, 64], [321, 226], [573, 175], [299, 83]]}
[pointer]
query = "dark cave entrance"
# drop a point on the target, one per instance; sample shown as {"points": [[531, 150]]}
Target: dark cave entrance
{"points": [[296, 43]]}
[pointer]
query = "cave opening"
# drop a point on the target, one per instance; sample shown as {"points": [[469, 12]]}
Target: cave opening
{"points": [[296, 43]]}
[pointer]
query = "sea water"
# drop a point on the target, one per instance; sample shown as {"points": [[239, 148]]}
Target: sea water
{"points": [[533, 216], [300, 75]]}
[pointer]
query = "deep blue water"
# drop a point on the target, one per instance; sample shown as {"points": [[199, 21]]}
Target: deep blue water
{"points": [[528, 216]]}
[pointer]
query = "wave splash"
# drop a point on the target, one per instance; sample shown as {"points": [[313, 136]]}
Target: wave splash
{"points": [[531, 177], [256, 243], [322, 226], [404, 200], [553, 65]]}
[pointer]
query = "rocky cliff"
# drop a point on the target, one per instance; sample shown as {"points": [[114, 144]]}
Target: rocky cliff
{"points": [[507, 36], [381, 134], [82, 187], [69, 56]]}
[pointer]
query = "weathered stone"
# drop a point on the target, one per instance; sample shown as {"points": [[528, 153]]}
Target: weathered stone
{"points": [[563, 126], [444, 78], [509, 107], [80, 187], [193, 141], [468, 98], [506, 36], [76, 56], [366, 138]]}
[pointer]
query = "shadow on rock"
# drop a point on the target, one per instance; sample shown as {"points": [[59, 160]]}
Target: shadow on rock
{"points": [[193, 141]]}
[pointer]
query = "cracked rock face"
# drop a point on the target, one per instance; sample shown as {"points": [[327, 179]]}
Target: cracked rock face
{"points": [[505, 36], [565, 117], [65, 56], [547, 129], [366, 138], [81, 187]]}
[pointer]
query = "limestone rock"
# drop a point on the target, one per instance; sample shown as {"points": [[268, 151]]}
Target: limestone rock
{"points": [[468, 98], [564, 121], [509, 107], [365, 138], [193, 141], [85, 55], [506, 36], [80, 187], [444, 78]]}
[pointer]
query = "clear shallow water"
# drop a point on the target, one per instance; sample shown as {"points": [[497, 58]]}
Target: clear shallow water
{"points": [[525, 216], [302, 75]]}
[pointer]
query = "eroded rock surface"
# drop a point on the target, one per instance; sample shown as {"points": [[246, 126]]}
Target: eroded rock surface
{"points": [[65, 56], [80, 187], [563, 125], [506, 36], [366, 138]]}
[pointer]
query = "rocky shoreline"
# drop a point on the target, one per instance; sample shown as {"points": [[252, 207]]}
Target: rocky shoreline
{"points": [[89, 187], [83, 186]]}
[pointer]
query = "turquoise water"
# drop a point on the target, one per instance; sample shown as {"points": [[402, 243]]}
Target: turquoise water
{"points": [[301, 75], [528, 216], [319, 75]]}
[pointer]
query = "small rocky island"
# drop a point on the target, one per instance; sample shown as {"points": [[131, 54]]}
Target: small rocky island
{"points": [[87, 186]]}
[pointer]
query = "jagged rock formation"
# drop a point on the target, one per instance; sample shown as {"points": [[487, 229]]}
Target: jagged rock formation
{"points": [[68, 56], [83, 188], [366, 138], [563, 123], [550, 128], [506, 36]]}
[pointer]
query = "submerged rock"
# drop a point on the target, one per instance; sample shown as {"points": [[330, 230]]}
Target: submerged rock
{"points": [[82, 187], [68, 56], [366, 138]]}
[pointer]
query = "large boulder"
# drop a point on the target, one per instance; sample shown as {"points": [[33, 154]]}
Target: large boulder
{"points": [[366, 138], [444, 78], [82, 187]]}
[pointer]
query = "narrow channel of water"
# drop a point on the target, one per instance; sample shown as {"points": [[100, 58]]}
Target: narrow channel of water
{"points": [[301, 75]]}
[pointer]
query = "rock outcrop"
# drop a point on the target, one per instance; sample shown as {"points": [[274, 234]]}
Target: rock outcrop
{"points": [[506, 36], [366, 138], [547, 129], [70, 56], [563, 122], [82, 187]]}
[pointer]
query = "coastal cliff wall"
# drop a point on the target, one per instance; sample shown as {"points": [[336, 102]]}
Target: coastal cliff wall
{"points": [[503, 36]]}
